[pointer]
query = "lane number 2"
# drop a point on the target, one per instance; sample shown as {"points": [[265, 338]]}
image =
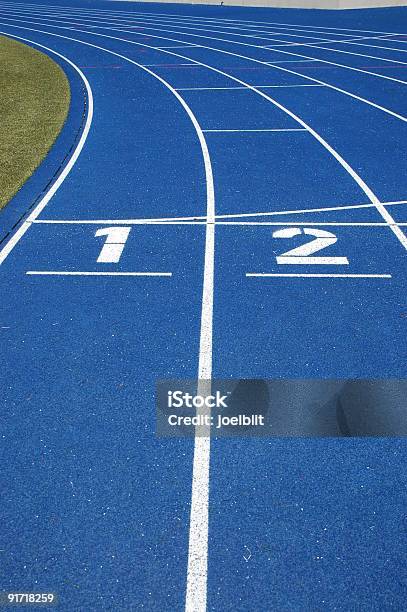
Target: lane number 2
{"points": [[304, 253], [114, 244]]}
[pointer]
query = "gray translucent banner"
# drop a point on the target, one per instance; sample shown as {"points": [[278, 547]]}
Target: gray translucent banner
{"points": [[294, 408]]}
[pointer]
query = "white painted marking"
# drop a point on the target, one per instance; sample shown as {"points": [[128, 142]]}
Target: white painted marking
{"points": [[315, 223], [300, 255], [307, 58], [202, 221], [116, 238], [300, 61], [211, 20], [136, 20], [143, 18], [241, 87], [9, 246], [63, 273], [163, 220], [196, 592], [373, 198], [185, 46], [110, 253], [197, 562], [262, 130], [267, 275], [312, 261], [163, 65], [382, 108]]}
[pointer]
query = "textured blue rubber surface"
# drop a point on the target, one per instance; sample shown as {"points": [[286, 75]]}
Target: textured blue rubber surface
{"points": [[94, 506]]}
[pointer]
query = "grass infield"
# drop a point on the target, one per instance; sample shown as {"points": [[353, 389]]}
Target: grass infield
{"points": [[34, 102]]}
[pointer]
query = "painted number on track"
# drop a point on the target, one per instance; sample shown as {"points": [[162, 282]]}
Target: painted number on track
{"points": [[114, 244], [302, 254]]}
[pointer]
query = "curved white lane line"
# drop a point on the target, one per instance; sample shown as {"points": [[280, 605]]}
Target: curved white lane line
{"points": [[276, 66], [201, 19], [138, 17], [198, 529], [133, 22], [236, 25], [202, 218], [288, 26], [262, 47], [9, 246], [359, 181]]}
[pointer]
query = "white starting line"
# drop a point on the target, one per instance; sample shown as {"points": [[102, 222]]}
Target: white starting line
{"points": [[63, 273], [261, 130], [267, 275], [201, 221]]}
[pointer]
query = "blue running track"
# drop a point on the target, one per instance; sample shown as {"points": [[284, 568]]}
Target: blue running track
{"points": [[218, 139]]}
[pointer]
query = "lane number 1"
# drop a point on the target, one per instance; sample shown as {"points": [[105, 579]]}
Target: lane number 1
{"points": [[114, 244]]}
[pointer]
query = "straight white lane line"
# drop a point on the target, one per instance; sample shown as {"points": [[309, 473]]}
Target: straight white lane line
{"points": [[9, 246], [300, 61], [266, 275], [303, 223], [260, 130], [201, 221], [186, 46], [163, 65], [63, 273]]}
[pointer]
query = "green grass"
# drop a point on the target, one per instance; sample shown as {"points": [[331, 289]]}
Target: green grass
{"points": [[34, 102]]}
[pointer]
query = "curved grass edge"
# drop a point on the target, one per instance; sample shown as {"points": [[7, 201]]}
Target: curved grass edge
{"points": [[34, 104]]}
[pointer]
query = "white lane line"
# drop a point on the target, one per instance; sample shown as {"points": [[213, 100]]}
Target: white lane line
{"points": [[364, 187], [63, 273], [278, 67], [352, 41], [267, 275], [372, 197], [9, 246], [196, 591], [301, 61], [244, 22], [229, 216], [116, 20], [142, 18], [307, 58], [185, 46], [202, 221], [260, 130], [138, 21], [197, 557], [305, 223], [210, 20], [239, 87], [307, 210], [163, 65]]}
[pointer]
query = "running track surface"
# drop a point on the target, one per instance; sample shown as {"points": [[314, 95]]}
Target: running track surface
{"points": [[242, 122]]}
